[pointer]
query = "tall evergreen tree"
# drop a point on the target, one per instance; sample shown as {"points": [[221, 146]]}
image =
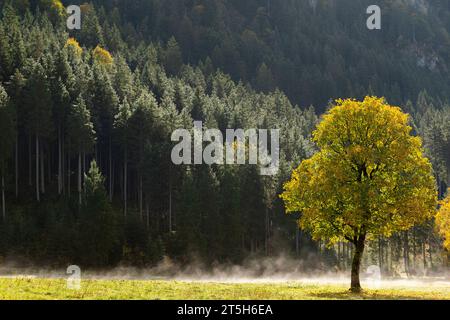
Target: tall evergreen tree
{"points": [[7, 128]]}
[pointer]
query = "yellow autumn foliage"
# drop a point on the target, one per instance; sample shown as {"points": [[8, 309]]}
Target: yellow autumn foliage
{"points": [[369, 178], [55, 5], [102, 56], [73, 44], [443, 221]]}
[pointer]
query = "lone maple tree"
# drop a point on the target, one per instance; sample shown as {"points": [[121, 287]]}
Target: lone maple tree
{"points": [[370, 178]]}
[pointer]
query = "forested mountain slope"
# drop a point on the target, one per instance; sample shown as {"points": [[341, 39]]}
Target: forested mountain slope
{"points": [[314, 50]]}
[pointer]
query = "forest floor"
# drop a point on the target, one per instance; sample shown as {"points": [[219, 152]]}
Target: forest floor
{"points": [[24, 288]]}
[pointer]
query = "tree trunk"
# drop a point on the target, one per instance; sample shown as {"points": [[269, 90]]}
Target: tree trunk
{"points": [[386, 257], [3, 198], [84, 172], [356, 264], [17, 166], [79, 178], [380, 254], [424, 258], [59, 162], [112, 181], [141, 212], [110, 172], [29, 161], [63, 166], [38, 198], [147, 212], [170, 208], [125, 181], [42, 163], [266, 238], [406, 253], [69, 172], [430, 252]]}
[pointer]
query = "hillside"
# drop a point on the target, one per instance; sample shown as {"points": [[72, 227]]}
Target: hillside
{"points": [[312, 50]]}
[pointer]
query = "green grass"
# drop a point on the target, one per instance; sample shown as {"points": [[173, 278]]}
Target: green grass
{"points": [[26, 288]]}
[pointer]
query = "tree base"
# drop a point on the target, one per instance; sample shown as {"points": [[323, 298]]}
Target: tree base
{"points": [[356, 290]]}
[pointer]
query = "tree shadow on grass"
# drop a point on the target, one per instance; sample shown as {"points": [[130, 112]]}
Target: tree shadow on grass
{"points": [[346, 295]]}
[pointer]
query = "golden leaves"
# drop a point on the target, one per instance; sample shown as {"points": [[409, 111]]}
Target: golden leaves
{"points": [[443, 221], [55, 5], [73, 44], [369, 173], [102, 56]]}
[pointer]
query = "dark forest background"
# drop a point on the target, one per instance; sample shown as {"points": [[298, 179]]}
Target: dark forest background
{"points": [[115, 90]]}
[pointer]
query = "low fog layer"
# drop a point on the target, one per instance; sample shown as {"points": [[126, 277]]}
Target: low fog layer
{"points": [[262, 270]]}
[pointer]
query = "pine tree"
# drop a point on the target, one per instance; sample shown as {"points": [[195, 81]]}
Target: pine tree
{"points": [[7, 128], [38, 106], [82, 136], [98, 234], [121, 126], [172, 57], [140, 125]]}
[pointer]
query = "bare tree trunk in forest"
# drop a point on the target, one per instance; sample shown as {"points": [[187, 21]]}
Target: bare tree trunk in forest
{"points": [[424, 257], [349, 254], [63, 165], [68, 171], [141, 212], [140, 192], [170, 207], [266, 238], [170, 198], [147, 212], [112, 181], [391, 260], [380, 253], [3, 198], [59, 161], [125, 181], [406, 253], [430, 252], [386, 257], [29, 161], [17, 165], [84, 172], [344, 255], [297, 236], [338, 253], [42, 164], [38, 198], [356, 263], [110, 172], [49, 166], [79, 178]]}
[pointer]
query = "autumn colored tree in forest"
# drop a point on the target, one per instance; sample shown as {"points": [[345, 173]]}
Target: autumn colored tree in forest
{"points": [[370, 178], [443, 221]]}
